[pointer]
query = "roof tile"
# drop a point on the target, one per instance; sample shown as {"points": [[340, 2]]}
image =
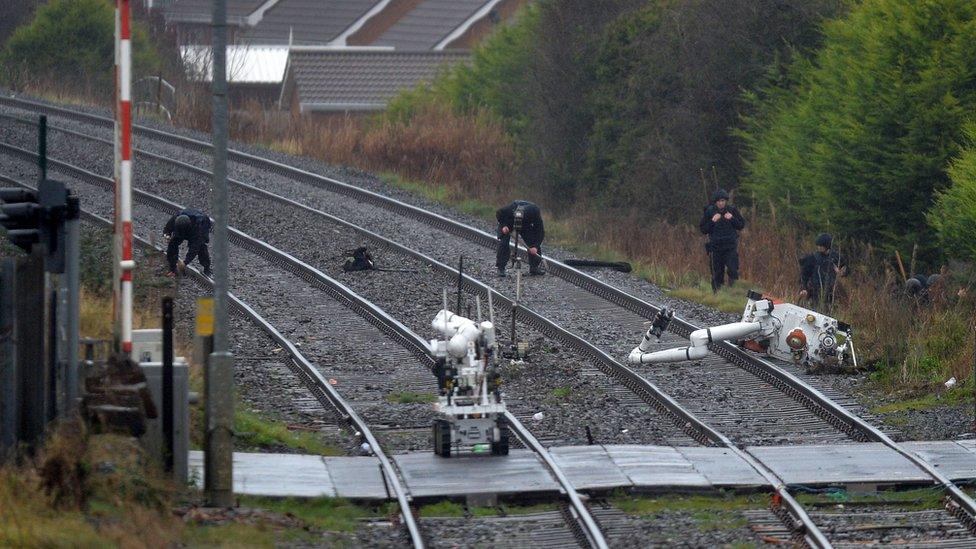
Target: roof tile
{"points": [[359, 80]]}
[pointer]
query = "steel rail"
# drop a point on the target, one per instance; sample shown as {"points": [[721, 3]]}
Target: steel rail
{"points": [[586, 526], [796, 517], [809, 396]]}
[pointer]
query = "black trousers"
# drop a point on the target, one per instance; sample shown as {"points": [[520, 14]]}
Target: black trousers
{"points": [[195, 248], [504, 252], [726, 260], [820, 298]]}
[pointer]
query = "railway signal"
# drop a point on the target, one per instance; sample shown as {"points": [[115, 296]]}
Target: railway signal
{"points": [[20, 217], [39, 217]]}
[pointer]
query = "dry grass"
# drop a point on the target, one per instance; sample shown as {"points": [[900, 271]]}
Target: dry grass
{"points": [[470, 156], [86, 491], [95, 316]]}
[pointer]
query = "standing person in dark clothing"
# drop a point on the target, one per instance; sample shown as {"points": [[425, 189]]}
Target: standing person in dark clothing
{"points": [[525, 218], [194, 227], [819, 272], [722, 222]]}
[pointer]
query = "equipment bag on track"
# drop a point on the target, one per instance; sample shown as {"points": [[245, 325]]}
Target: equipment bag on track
{"points": [[358, 260]]}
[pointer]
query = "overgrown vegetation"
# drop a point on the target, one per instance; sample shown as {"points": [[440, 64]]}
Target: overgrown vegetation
{"points": [[858, 137], [255, 432], [103, 491], [710, 512], [917, 499], [74, 40], [953, 216], [86, 491]]}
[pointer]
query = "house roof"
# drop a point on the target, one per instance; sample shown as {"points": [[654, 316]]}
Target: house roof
{"points": [[201, 11], [431, 21], [245, 64], [308, 22], [358, 80]]}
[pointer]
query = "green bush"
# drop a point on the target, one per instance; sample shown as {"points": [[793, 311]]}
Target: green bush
{"points": [[622, 103], [74, 42], [954, 214], [862, 138], [495, 80], [668, 79]]}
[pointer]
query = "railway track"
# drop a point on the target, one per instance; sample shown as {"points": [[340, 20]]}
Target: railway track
{"points": [[790, 512], [767, 373], [575, 513], [754, 407]]}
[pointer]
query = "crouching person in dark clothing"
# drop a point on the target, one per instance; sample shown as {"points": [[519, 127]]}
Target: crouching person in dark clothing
{"points": [[194, 227], [722, 222], [819, 272], [525, 218]]}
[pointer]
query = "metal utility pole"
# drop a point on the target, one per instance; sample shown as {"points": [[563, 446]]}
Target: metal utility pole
{"points": [[219, 376]]}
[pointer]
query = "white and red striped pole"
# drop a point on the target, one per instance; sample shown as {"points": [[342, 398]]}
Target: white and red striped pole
{"points": [[123, 175]]}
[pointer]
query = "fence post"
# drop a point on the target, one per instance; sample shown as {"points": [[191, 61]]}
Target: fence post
{"points": [[167, 383], [9, 396], [29, 332], [52, 350], [72, 322]]}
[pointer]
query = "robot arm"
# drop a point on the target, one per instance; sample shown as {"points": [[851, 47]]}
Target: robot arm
{"points": [[699, 343]]}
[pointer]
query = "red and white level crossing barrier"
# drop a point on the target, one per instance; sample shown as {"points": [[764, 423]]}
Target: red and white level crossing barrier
{"points": [[123, 174]]}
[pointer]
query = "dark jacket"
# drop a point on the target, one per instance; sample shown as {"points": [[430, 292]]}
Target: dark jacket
{"points": [[533, 231], [724, 233], [200, 229], [817, 275]]}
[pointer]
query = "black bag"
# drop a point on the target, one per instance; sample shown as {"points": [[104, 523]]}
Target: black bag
{"points": [[358, 260]]}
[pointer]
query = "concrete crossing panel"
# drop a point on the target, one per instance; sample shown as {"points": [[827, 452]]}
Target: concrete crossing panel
{"points": [[428, 475], [722, 467], [838, 464], [648, 466], [951, 458], [590, 467], [274, 474]]}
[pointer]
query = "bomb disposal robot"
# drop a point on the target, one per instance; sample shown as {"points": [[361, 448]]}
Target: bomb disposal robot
{"points": [[470, 402], [784, 330]]}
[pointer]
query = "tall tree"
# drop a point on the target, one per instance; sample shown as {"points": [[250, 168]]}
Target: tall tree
{"points": [[668, 81], [861, 140]]}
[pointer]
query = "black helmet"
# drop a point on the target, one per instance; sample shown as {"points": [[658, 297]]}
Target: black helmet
{"points": [[932, 279], [183, 224], [720, 194], [825, 240], [914, 286]]}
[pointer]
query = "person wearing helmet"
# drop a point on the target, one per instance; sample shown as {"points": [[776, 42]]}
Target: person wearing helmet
{"points": [[721, 221], [525, 218], [192, 226], [819, 272], [919, 287]]}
